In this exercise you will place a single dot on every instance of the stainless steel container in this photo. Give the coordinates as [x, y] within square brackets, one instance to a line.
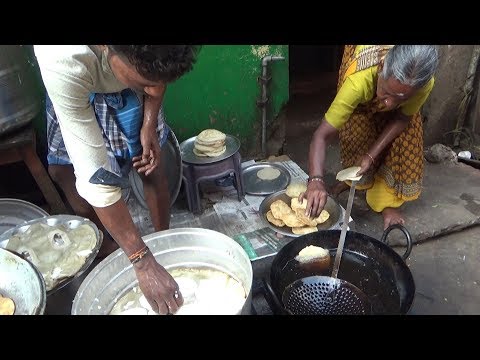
[184, 247]
[66, 223]
[19, 100]
[21, 282]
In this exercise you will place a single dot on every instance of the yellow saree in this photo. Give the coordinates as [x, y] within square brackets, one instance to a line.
[398, 174]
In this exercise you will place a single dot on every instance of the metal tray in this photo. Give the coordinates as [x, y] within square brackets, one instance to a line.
[333, 222]
[69, 222]
[256, 186]
[172, 160]
[186, 147]
[14, 212]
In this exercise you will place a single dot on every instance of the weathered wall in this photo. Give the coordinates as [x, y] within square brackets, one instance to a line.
[441, 108]
[222, 90]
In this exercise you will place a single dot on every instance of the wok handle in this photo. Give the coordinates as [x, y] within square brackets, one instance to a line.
[407, 236]
[272, 298]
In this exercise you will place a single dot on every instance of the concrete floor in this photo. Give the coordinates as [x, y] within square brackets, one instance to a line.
[447, 274]
[445, 268]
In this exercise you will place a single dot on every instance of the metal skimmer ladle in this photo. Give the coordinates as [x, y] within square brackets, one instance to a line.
[324, 295]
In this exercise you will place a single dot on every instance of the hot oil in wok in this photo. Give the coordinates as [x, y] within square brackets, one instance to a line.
[375, 281]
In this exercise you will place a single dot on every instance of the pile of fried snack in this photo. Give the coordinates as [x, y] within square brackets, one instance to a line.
[293, 215]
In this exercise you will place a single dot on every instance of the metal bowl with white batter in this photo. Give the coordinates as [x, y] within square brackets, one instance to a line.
[112, 278]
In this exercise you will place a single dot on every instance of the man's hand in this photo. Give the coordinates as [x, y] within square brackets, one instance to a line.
[316, 196]
[148, 134]
[149, 159]
[158, 286]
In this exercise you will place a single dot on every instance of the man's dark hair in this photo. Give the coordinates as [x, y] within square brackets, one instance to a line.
[159, 62]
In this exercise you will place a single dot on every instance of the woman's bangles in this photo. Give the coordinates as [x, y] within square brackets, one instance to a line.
[371, 157]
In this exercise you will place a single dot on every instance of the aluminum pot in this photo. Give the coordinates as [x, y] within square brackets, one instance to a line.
[114, 276]
[23, 283]
[20, 98]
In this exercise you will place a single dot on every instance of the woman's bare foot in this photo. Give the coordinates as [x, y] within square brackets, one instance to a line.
[338, 188]
[392, 216]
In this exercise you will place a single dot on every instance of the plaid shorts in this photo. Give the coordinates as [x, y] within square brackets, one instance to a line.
[120, 116]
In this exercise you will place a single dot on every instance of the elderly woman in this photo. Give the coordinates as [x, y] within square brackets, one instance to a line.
[376, 114]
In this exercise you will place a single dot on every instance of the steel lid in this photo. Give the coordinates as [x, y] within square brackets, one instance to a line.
[172, 160]
[14, 212]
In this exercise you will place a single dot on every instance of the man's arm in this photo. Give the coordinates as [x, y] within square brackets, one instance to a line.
[118, 221]
[149, 159]
[152, 106]
[158, 286]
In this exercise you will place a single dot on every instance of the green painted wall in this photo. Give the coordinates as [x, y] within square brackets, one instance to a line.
[222, 91]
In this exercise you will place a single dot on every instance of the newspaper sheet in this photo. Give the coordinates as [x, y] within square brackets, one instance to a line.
[240, 220]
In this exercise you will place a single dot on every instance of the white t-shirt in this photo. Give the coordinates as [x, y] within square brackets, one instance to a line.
[70, 74]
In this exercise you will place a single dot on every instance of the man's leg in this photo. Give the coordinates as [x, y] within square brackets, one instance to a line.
[155, 188]
[64, 176]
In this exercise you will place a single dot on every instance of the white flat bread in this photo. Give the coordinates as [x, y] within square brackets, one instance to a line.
[268, 174]
[294, 190]
[209, 154]
[211, 135]
[207, 148]
[209, 143]
[199, 153]
[349, 174]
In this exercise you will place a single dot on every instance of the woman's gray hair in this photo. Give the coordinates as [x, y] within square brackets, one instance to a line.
[412, 65]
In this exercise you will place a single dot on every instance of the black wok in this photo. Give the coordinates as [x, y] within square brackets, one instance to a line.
[369, 264]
